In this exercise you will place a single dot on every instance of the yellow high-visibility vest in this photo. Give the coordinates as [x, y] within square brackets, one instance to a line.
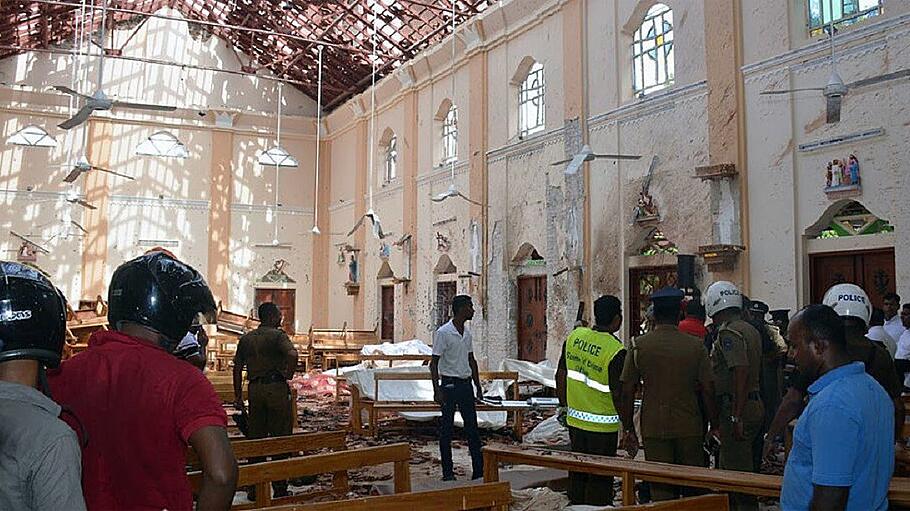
[590, 402]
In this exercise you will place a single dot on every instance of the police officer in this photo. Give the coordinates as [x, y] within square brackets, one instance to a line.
[586, 381]
[736, 358]
[270, 359]
[774, 350]
[41, 466]
[852, 304]
[675, 369]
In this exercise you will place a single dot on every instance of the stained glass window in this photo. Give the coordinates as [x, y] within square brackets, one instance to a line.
[656, 243]
[855, 220]
[450, 136]
[652, 51]
[391, 160]
[277, 156]
[162, 143]
[842, 12]
[531, 102]
[32, 136]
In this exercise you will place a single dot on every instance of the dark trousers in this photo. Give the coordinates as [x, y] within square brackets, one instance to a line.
[459, 393]
[270, 415]
[591, 489]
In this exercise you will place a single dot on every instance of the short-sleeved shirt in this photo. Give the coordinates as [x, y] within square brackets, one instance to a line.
[40, 464]
[903, 351]
[738, 344]
[895, 327]
[844, 438]
[138, 406]
[264, 351]
[693, 326]
[672, 365]
[453, 348]
[876, 360]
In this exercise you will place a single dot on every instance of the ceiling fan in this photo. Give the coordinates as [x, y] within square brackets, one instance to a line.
[586, 154]
[374, 222]
[99, 100]
[82, 166]
[451, 193]
[835, 90]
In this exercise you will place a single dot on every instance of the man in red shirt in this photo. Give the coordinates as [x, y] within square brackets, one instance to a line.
[140, 406]
[694, 322]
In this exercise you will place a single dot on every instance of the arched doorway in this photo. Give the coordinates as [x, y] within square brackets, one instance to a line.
[658, 269]
[532, 304]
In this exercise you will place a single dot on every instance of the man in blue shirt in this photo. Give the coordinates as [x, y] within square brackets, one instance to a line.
[842, 456]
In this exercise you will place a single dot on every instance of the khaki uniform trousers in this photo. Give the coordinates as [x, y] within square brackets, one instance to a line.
[737, 454]
[270, 415]
[678, 451]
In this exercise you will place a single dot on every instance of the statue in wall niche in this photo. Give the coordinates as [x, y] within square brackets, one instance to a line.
[442, 242]
[352, 269]
[842, 172]
[26, 253]
[277, 273]
[853, 169]
[385, 250]
[646, 209]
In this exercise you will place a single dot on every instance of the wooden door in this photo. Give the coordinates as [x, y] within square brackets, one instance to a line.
[285, 299]
[532, 318]
[387, 329]
[643, 282]
[445, 294]
[872, 270]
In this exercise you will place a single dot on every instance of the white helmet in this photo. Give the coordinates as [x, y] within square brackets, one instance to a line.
[722, 295]
[849, 300]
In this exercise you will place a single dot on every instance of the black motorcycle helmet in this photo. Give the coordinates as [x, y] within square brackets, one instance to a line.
[32, 315]
[160, 292]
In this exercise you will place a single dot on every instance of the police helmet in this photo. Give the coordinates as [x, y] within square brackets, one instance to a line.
[722, 295]
[849, 300]
[32, 315]
[158, 291]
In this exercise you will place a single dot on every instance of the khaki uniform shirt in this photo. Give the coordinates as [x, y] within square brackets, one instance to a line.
[738, 344]
[264, 351]
[672, 365]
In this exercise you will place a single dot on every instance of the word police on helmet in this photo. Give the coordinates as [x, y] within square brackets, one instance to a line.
[849, 300]
[722, 295]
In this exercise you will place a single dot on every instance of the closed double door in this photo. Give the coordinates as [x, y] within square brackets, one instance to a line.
[872, 270]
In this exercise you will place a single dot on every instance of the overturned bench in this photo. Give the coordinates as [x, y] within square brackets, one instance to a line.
[492, 497]
[342, 344]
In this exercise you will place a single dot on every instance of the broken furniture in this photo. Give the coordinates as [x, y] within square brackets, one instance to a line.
[291, 445]
[229, 327]
[344, 344]
[372, 407]
[332, 359]
[225, 391]
[491, 497]
[90, 317]
[710, 502]
[261, 475]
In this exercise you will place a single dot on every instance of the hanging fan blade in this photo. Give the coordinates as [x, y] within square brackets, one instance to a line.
[465, 197]
[74, 174]
[81, 203]
[79, 226]
[357, 225]
[439, 198]
[904, 73]
[81, 116]
[131, 178]
[832, 109]
[66, 90]
[561, 162]
[575, 164]
[618, 156]
[788, 91]
[30, 242]
[143, 106]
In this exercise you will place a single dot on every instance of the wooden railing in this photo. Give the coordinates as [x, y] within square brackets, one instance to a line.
[290, 444]
[493, 497]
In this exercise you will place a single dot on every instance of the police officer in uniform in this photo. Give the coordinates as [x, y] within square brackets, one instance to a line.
[736, 358]
[270, 359]
[675, 369]
[852, 304]
[586, 381]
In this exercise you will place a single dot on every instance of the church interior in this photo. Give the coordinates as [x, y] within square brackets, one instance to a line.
[361, 163]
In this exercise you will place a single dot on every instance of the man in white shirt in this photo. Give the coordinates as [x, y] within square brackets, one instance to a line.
[893, 325]
[903, 344]
[453, 369]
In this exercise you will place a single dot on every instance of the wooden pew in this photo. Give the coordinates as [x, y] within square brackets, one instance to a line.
[225, 391]
[81, 323]
[630, 471]
[332, 359]
[341, 343]
[374, 407]
[700, 503]
[261, 475]
[291, 444]
[492, 496]
[229, 327]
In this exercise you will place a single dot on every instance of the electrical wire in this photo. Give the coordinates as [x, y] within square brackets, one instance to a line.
[318, 140]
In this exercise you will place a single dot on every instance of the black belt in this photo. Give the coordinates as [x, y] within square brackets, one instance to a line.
[273, 378]
[752, 396]
[455, 379]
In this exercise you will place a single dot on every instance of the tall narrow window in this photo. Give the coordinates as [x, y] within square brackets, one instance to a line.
[531, 102]
[842, 12]
[32, 136]
[391, 160]
[652, 51]
[450, 135]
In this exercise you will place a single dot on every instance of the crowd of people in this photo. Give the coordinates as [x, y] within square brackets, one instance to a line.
[727, 391]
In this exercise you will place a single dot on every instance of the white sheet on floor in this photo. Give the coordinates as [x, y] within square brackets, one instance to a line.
[542, 372]
[416, 390]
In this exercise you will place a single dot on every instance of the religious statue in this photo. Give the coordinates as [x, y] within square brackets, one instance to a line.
[26, 253]
[646, 209]
[853, 169]
[442, 242]
[842, 172]
[352, 268]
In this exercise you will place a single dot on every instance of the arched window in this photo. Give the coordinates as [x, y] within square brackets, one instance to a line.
[842, 12]
[390, 170]
[32, 136]
[450, 135]
[531, 104]
[277, 156]
[652, 51]
[852, 219]
[162, 143]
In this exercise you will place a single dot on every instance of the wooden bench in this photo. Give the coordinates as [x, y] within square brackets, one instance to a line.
[225, 391]
[261, 475]
[374, 407]
[630, 471]
[341, 343]
[81, 323]
[229, 327]
[700, 503]
[492, 496]
[332, 358]
[274, 446]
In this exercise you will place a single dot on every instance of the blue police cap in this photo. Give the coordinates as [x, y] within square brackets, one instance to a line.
[667, 293]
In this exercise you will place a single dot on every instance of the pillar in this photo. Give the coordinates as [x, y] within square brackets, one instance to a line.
[322, 243]
[97, 192]
[221, 193]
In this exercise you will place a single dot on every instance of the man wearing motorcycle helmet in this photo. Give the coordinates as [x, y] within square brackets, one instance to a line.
[41, 463]
[141, 406]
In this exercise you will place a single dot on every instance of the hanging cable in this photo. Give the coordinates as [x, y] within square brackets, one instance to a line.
[277, 162]
[372, 150]
[318, 140]
[454, 157]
